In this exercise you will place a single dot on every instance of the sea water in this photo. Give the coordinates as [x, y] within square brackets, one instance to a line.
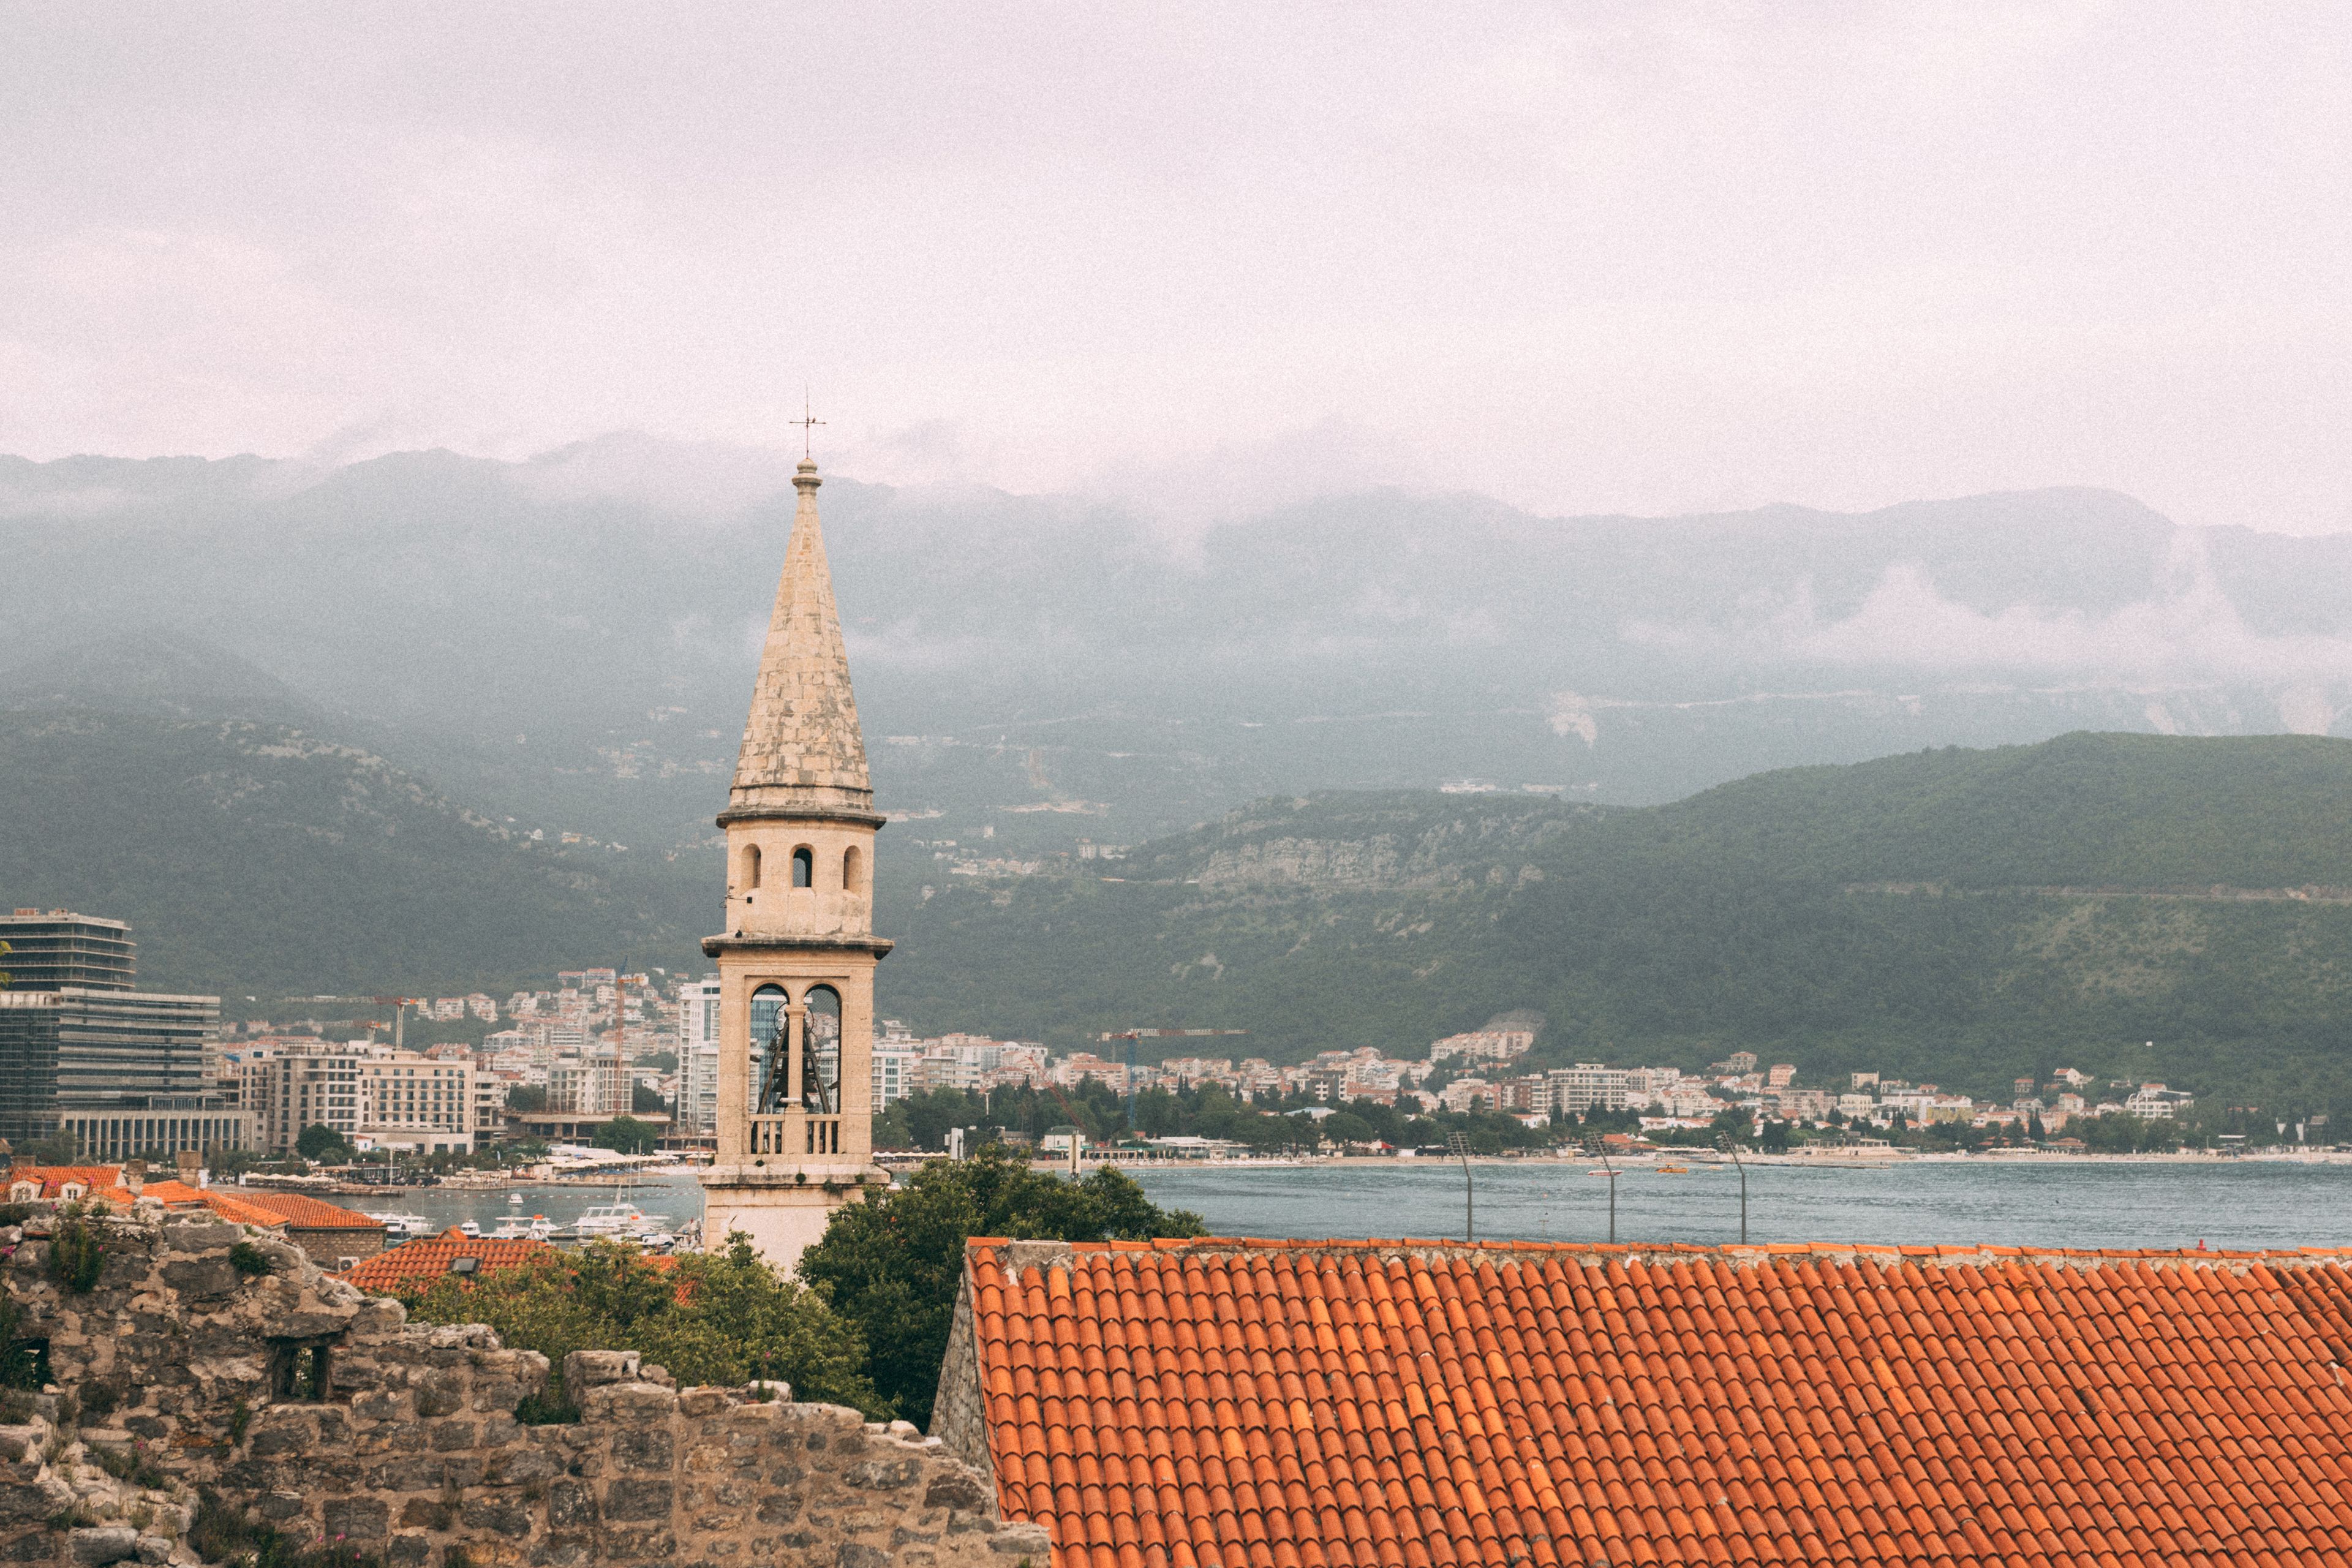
[2241, 1204]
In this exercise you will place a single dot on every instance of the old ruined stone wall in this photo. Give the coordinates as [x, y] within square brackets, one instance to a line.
[412, 1452]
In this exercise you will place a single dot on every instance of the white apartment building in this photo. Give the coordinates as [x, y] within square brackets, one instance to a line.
[697, 1055]
[491, 1092]
[1589, 1086]
[1483, 1045]
[896, 1070]
[416, 1104]
[294, 1087]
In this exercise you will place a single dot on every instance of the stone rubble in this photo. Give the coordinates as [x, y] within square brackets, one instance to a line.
[182, 1367]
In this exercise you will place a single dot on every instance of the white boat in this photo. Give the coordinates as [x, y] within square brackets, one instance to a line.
[615, 1219]
[514, 1197]
[469, 1230]
[538, 1227]
[656, 1241]
[406, 1225]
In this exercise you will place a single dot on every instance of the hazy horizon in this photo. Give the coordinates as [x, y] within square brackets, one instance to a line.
[1639, 261]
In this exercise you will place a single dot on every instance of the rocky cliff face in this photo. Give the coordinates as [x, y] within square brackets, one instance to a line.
[211, 1390]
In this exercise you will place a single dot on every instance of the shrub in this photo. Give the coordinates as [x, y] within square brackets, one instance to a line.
[78, 1250]
[715, 1317]
[130, 1464]
[227, 1534]
[248, 1259]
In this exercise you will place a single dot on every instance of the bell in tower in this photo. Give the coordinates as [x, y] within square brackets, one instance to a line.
[796, 957]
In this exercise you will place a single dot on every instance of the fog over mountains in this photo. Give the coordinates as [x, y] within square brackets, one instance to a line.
[569, 641]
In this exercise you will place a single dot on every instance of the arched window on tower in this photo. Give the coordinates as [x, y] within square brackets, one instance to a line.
[804, 867]
[821, 1072]
[750, 866]
[768, 1047]
[849, 869]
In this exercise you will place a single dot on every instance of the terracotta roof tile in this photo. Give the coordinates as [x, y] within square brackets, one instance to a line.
[422, 1262]
[230, 1206]
[1220, 1404]
[307, 1213]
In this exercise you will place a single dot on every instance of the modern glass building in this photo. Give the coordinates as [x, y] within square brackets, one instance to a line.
[121, 1072]
[47, 951]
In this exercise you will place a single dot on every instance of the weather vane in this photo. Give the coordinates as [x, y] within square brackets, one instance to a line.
[807, 423]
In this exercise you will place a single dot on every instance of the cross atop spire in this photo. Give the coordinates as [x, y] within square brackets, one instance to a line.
[808, 425]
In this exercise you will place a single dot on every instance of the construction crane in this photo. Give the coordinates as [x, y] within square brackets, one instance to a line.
[1131, 1036]
[399, 1006]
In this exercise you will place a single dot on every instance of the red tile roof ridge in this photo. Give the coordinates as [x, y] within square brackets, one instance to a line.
[1018, 1255]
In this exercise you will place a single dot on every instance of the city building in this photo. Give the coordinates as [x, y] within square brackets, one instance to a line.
[697, 1055]
[797, 952]
[416, 1104]
[298, 1086]
[51, 949]
[121, 1072]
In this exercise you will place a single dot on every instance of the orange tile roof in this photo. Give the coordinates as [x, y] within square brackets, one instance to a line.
[51, 1178]
[230, 1206]
[307, 1213]
[1221, 1404]
[424, 1261]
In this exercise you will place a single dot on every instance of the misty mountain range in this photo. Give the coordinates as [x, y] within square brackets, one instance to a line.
[569, 642]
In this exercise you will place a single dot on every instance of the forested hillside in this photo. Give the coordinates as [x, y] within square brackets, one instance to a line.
[1957, 916]
[254, 858]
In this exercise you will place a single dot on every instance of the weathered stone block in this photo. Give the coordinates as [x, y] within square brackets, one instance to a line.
[853, 1555]
[564, 1555]
[439, 1392]
[700, 1402]
[523, 1467]
[409, 1551]
[584, 1370]
[451, 1436]
[641, 1448]
[625, 1401]
[1024, 1540]
[363, 1518]
[570, 1505]
[96, 1547]
[780, 1508]
[505, 1515]
[202, 1278]
[423, 1513]
[883, 1475]
[958, 1488]
[639, 1499]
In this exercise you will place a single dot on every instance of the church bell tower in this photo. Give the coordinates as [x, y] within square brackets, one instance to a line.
[796, 957]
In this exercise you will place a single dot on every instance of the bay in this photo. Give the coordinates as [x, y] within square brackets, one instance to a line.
[2236, 1205]
[2088, 1204]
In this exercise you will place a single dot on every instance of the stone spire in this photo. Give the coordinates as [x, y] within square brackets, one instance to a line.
[802, 747]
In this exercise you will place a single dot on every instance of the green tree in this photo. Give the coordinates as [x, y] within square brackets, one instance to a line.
[626, 1135]
[894, 1264]
[715, 1318]
[320, 1141]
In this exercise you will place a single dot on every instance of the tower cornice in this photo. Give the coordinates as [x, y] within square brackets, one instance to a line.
[713, 946]
[735, 813]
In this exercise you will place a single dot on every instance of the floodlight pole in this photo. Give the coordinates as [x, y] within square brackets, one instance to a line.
[1598, 1145]
[1461, 1147]
[1731, 1145]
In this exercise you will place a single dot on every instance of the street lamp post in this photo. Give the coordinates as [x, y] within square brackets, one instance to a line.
[1731, 1145]
[1460, 1144]
[1596, 1143]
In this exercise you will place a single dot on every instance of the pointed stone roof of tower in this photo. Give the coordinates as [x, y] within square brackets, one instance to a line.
[801, 747]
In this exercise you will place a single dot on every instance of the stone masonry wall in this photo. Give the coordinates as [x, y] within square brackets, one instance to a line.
[413, 1454]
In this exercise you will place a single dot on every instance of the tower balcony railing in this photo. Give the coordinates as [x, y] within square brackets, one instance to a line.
[796, 1133]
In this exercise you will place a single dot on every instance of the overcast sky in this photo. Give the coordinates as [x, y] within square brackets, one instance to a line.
[1585, 257]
